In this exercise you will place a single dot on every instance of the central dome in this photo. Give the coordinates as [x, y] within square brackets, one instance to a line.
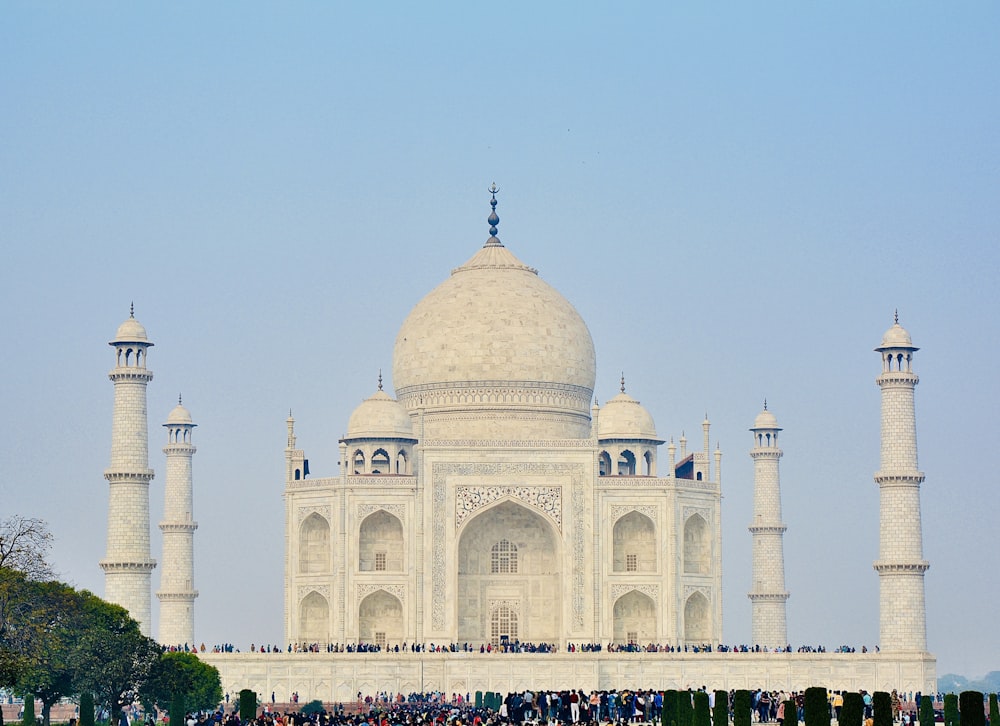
[491, 340]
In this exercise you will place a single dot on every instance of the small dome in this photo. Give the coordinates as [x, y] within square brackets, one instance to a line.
[896, 337]
[625, 418]
[379, 417]
[131, 331]
[765, 420]
[180, 415]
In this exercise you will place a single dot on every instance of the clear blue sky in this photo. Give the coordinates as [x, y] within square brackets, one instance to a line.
[736, 197]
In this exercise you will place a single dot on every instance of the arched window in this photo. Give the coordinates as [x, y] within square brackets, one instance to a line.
[503, 558]
[503, 624]
[697, 548]
[626, 463]
[604, 464]
[401, 463]
[359, 462]
[380, 462]
[314, 545]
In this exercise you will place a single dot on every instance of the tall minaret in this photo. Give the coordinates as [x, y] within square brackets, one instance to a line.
[177, 591]
[768, 591]
[127, 566]
[901, 564]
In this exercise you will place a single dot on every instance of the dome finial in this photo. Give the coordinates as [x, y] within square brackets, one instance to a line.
[380, 379]
[765, 404]
[179, 399]
[623, 381]
[493, 219]
[131, 309]
[895, 317]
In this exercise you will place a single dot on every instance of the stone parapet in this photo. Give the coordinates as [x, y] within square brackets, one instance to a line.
[340, 676]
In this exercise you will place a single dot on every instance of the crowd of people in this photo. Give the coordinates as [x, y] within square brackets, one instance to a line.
[515, 646]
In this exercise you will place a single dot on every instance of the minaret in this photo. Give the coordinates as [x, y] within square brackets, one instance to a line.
[127, 566]
[768, 590]
[901, 564]
[177, 591]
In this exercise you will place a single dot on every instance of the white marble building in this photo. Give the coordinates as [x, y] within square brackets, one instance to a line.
[492, 501]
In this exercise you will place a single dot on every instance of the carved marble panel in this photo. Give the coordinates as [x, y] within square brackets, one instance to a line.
[470, 499]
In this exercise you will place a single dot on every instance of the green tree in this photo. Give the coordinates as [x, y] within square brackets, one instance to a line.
[668, 717]
[177, 709]
[791, 714]
[114, 658]
[702, 714]
[970, 709]
[853, 711]
[994, 711]
[685, 709]
[950, 709]
[817, 707]
[182, 674]
[720, 711]
[742, 703]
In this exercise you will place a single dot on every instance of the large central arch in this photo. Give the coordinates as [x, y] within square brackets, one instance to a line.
[509, 560]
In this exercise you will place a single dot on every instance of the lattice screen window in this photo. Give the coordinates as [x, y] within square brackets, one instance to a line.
[380, 639]
[631, 563]
[503, 625]
[380, 561]
[632, 636]
[503, 558]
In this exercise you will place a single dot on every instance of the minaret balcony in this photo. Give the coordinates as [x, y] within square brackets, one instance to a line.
[901, 568]
[110, 566]
[899, 478]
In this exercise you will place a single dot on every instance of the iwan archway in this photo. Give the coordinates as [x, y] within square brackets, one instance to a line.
[509, 577]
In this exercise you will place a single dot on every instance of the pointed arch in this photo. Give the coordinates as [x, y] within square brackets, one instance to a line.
[533, 590]
[380, 543]
[380, 619]
[634, 543]
[314, 544]
[697, 626]
[604, 464]
[380, 462]
[697, 546]
[635, 618]
[314, 618]
[626, 463]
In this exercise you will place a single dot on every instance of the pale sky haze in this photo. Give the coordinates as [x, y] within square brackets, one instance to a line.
[736, 197]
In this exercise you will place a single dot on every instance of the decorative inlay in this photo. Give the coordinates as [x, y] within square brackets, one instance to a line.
[513, 605]
[323, 590]
[545, 499]
[510, 443]
[322, 510]
[704, 512]
[439, 525]
[579, 509]
[617, 511]
[650, 589]
[397, 591]
[690, 590]
[397, 510]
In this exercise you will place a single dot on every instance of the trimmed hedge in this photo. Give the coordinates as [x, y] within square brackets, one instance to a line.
[926, 711]
[28, 719]
[86, 709]
[994, 711]
[702, 714]
[950, 709]
[970, 709]
[685, 709]
[817, 707]
[720, 713]
[882, 708]
[178, 709]
[668, 716]
[790, 713]
[742, 703]
[248, 705]
[853, 711]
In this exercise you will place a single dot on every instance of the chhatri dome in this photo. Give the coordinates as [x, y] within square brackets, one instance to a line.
[131, 331]
[501, 347]
[896, 336]
[379, 417]
[180, 415]
[625, 418]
